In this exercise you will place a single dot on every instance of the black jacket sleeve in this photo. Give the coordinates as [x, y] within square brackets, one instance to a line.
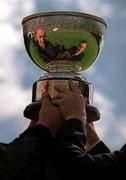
[99, 148]
[24, 158]
[73, 162]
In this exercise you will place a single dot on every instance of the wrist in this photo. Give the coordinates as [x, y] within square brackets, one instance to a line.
[42, 122]
[75, 116]
[92, 145]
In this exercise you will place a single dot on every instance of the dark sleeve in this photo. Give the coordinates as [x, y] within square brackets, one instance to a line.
[24, 157]
[100, 147]
[74, 163]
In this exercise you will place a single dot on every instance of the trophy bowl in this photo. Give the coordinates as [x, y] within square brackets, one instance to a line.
[63, 44]
[57, 36]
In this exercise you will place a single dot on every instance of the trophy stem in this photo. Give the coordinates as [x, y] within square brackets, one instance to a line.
[63, 66]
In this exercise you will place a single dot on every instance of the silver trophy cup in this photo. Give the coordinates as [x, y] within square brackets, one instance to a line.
[63, 45]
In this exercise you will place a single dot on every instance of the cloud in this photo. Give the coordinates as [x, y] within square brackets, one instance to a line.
[122, 126]
[13, 97]
[111, 128]
[105, 107]
[96, 7]
[13, 9]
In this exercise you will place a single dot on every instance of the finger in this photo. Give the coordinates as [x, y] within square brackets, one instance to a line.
[73, 87]
[56, 102]
[60, 95]
[45, 98]
[61, 89]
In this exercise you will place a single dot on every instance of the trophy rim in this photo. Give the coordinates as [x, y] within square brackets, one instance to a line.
[65, 13]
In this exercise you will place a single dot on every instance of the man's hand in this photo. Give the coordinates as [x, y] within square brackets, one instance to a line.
[71, 102]
[50, 115]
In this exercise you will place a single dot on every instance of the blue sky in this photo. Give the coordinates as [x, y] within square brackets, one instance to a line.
[108, 74]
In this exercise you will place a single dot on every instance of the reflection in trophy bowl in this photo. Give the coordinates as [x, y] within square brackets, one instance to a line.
[67, 36]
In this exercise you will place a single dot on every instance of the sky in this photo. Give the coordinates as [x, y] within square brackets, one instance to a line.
[107, 74]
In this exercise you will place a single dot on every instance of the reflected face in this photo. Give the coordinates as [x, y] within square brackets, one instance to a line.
[40, 35]
[83, 45]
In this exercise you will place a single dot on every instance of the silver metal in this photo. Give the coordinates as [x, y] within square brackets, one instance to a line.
[63, 31]
[63, 44]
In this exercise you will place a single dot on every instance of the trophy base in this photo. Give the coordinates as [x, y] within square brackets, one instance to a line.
[32, 112]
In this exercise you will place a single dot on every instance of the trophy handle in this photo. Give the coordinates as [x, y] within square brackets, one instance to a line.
[32, 112]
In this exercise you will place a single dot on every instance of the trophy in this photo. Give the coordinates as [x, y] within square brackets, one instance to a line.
[63, 45]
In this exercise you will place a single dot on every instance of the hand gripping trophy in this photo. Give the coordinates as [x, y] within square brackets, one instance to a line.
[63, 44]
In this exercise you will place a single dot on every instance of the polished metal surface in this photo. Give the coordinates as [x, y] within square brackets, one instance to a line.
[63, 36]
